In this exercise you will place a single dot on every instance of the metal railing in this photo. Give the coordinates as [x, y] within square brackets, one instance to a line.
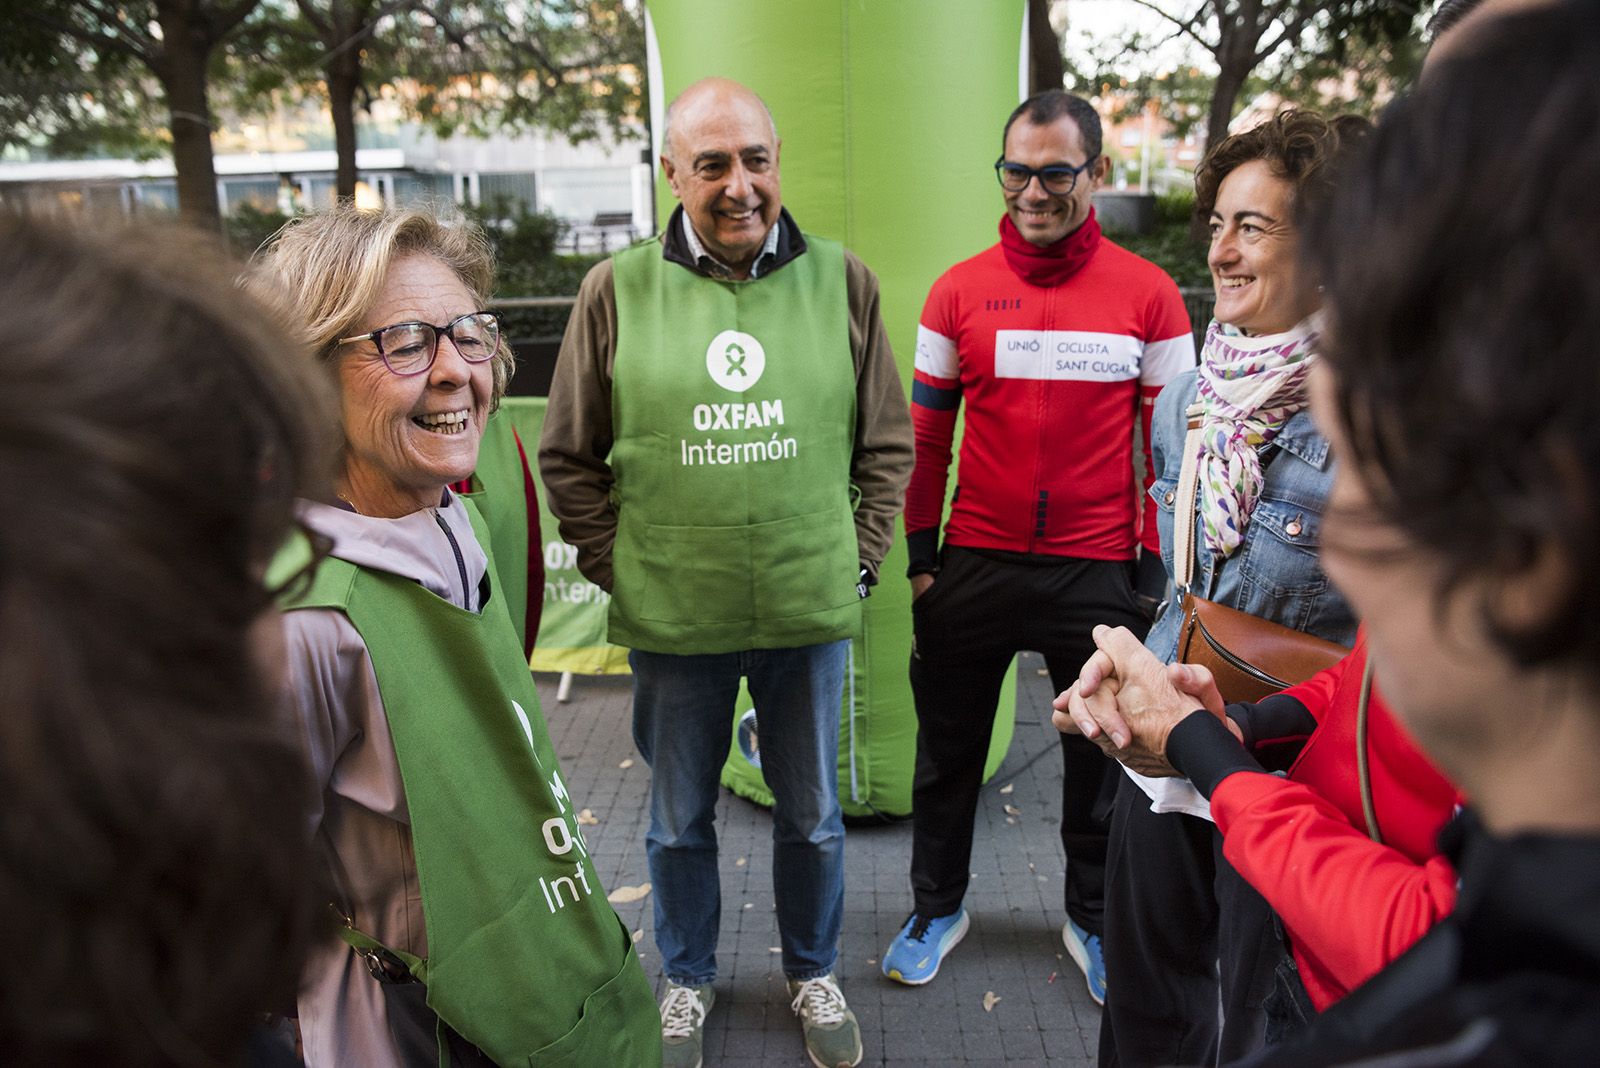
[1198, 301]
[533, 302]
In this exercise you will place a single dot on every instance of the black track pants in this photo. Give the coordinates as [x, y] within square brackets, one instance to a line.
[978, 614]
[1186, 939]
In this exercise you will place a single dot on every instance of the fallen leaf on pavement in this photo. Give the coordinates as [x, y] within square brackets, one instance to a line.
[587, 817]
[1011, 810]
[740, 862]
[626, 764]
[640, 934]
[990, 1000]
[1008, 787]
[624, 895]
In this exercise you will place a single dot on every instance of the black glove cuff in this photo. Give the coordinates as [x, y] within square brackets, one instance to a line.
[922, 547]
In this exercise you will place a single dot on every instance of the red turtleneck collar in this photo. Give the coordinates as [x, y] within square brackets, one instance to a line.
[1052, 264]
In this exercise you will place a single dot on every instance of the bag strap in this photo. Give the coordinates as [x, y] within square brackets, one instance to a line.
[1363, 766]
[1183, 507]
[375, 953]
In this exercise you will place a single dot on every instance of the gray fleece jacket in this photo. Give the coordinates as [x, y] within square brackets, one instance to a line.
[359, 816]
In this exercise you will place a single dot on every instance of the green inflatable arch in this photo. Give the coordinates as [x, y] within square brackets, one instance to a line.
[889, 112]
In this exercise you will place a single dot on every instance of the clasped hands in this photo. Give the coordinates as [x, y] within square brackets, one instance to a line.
[1127, 702]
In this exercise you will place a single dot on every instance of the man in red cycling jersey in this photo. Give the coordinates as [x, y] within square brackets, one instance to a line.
[1055, 339]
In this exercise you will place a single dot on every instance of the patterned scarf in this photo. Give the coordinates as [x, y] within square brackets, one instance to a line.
[1248, 388]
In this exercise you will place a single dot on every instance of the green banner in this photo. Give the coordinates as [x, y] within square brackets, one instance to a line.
[572, 628]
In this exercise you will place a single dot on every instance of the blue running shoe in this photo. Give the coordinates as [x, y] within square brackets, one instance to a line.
[914, 956]
[1084, 949]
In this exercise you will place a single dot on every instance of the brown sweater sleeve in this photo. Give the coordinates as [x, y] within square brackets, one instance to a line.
[881, 464]
[577, 428]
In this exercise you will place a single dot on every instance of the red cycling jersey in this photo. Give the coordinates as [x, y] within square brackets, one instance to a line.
[1051, 377]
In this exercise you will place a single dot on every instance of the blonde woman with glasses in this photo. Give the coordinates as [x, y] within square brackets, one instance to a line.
[470, 913]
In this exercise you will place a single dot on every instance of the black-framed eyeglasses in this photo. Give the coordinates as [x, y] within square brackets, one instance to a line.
[1058, 179]
[410, 348]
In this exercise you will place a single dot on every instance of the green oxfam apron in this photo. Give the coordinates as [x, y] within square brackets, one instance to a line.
[526, 957]
[734, 408]
[501, 496]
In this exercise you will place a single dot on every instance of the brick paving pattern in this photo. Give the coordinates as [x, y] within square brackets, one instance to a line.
[1044, 1015]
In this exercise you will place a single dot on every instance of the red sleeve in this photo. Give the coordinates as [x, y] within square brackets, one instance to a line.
[1168, 353]
[1350, 904]
[1149, 536]
[935, 398]
[535, 549]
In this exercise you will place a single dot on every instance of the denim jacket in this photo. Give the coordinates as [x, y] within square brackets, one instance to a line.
[1274, 574]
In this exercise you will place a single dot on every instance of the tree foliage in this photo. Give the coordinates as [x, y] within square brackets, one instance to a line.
[570, 65]
[116, 44]
[135, 77]
[69, 101]
[1289, 44]
[341, 32]
[481, 68]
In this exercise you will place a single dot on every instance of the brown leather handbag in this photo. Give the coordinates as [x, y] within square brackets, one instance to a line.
[1250, 657]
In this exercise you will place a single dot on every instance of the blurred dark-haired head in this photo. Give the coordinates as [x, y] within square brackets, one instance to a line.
[154, 868]
[1461, 260]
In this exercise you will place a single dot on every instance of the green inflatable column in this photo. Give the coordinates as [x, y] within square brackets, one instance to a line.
[889, 113]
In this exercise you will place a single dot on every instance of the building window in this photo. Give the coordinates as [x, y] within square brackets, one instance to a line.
[514, 188]
[435, 191]
[157, 195]
[259, 193]
[580, 194]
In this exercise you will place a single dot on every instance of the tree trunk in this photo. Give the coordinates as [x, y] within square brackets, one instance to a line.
[1224, 95]
[344, 77]
[1044, 49]
[1239, 30]
[182, 71]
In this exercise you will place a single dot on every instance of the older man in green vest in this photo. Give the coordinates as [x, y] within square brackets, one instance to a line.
[727, 446]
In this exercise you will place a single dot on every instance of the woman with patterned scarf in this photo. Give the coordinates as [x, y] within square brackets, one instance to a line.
[1174, 906]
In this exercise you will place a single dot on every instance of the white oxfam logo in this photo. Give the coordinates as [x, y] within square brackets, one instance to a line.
[735, 360]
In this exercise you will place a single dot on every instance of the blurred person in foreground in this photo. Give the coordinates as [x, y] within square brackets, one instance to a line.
[1463, 390]
[156, 888]
[471, 909]
[1460, 388]
[1187, 927]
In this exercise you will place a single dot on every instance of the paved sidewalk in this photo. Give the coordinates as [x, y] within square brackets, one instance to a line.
[1043, 1015]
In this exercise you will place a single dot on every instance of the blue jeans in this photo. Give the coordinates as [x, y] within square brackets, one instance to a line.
[683, 726]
